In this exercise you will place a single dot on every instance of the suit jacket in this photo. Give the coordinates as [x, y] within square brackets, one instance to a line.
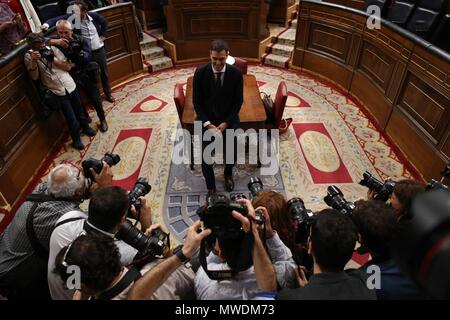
[227, 100]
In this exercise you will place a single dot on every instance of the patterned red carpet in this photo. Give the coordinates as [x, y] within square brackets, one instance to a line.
[331, 140]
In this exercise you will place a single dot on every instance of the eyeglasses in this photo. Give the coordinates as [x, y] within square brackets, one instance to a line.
[64, 262]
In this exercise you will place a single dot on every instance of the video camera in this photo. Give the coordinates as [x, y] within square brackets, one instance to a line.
[335, 199]
[304, 219]
[110, 158]
[383, 190]
[153, 245]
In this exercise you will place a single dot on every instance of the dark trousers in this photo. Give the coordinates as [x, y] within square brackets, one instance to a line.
[73, 112]
[28, 281]
[207, 169]
[99, 56]
[85, 81]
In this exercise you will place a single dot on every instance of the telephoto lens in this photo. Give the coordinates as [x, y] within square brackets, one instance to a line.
[255, 186]
[140, 189]
[110, 158]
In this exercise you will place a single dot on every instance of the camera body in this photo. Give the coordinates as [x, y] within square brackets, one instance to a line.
[335, 199]
[383, 190]
[303, 218]
[216, 215]
[110, 158]
[153, 245]
[140, 189]
[259, 215]
[75, 47]
[47, 54]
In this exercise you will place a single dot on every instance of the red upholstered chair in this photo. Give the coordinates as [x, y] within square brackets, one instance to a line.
[241, 64]
[178, 97]
[278, 108]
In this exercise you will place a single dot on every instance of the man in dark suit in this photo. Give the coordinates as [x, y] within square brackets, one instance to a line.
[217, 98]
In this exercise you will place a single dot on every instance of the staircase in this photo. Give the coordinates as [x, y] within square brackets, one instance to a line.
[154, 56]
[279, 51]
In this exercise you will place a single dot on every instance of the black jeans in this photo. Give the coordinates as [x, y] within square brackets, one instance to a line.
[71, 107]
[99, 56]
[84, 80]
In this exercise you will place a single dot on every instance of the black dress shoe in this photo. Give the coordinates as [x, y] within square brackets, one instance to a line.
[103, 126]
[78, 145]
[89, 131]
[211, 192]
[229, 184]
[110, 98]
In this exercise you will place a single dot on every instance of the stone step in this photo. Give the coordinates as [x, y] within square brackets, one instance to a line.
[153, 53]
[282, 50]
[160, 63]
[276, 60]
[287, 37]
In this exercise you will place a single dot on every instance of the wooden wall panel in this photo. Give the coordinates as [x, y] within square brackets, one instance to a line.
[26, 137]
[280, 11]
[403, 81]
[192, 25]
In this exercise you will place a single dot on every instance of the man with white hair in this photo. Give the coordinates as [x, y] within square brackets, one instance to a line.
[24, 245]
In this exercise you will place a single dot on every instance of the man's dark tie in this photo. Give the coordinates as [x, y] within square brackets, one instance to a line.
[218, 81]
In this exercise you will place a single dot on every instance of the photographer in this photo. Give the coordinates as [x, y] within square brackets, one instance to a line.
[104, 278]
[280, 226]
[253, 271]
[84, 71]
[107, 211]
[51, 66]
[404, 193]
[377, 223]
[24, 245]
[331, 242]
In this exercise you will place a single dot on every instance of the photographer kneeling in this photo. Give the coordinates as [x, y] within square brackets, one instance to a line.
[331, 243]
[24, 245]
[84, 71]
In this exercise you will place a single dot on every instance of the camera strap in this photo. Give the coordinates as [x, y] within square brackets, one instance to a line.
[132, 275]
[31, 234]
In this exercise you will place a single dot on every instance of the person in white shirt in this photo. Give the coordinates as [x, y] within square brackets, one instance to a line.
[51, 66]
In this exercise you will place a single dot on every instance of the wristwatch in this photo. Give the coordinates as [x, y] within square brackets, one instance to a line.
[178, 251]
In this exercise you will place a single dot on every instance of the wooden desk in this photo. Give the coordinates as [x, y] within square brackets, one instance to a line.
[252, 112]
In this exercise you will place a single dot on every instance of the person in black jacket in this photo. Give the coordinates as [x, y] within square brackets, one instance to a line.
[93, 28]
[331, 242]
[217, 98]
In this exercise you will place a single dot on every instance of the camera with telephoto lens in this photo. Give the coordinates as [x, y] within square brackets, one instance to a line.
[303, 218]
[140, 189]
[335, 199]
[153, 245]
[383, 190]
[255, 186]
[47, 54]
[439, 185]
[110, 158]
[259, 215]
[216, 215]
[75, 47]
